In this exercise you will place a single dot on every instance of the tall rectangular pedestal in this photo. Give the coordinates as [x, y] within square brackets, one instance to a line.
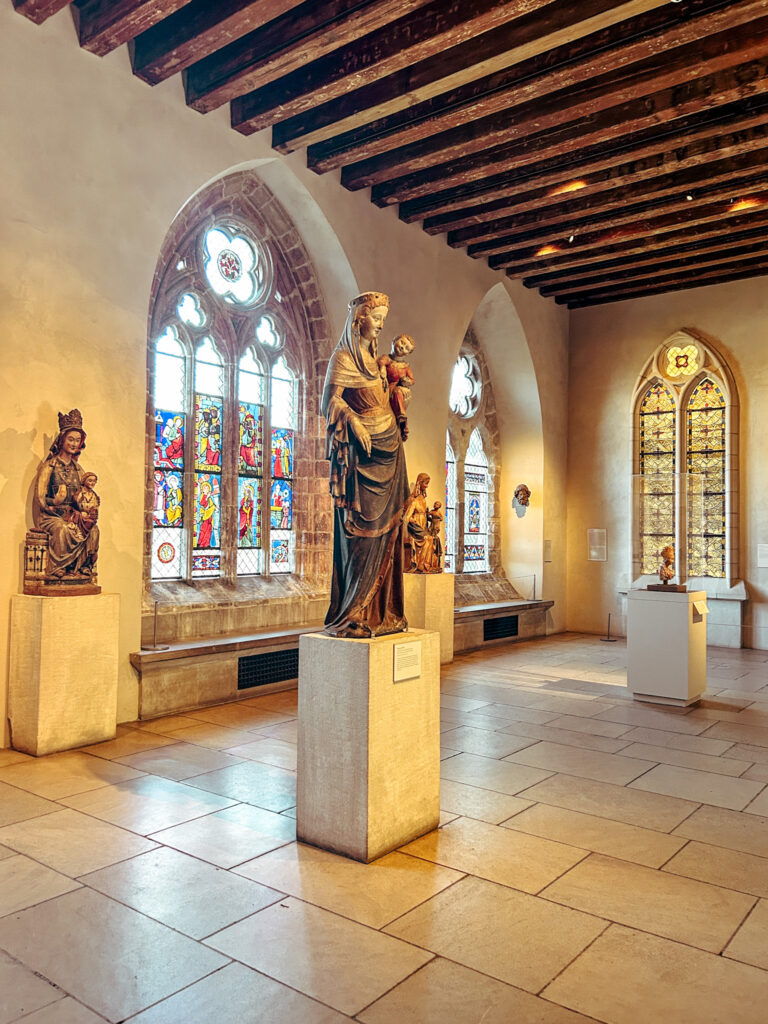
[63, 679]
[429, 605]
[369, 746]
[667, 646]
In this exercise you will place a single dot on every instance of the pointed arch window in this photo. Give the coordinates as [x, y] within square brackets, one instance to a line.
[476, 506]
[657, 455]
[705, 452]
[451, 502]
[168, 533]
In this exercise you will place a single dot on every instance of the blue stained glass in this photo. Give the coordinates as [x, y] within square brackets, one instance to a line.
[169, 439]
[281, 554]
[209, 413]
[281, 505]
[282, 453]
[250, 438]
[168, 499]
[473, 513]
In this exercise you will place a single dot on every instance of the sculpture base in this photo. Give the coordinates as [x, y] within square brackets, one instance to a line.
[667, 646]
[63, 678]
[61, 589]
[368, 746]
[668, 588]
[429, 605]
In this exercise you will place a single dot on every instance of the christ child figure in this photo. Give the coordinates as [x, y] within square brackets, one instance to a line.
[399, 378]
[87, 501]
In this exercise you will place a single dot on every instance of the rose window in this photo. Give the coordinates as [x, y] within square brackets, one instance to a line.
[235, 269]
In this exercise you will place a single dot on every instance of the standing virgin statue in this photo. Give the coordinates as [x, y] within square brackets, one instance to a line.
[369, 481]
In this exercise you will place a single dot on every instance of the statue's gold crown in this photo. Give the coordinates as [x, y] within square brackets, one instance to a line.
[372, 299]
[73, 420]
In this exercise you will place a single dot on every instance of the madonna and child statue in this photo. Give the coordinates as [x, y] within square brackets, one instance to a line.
[369, 481]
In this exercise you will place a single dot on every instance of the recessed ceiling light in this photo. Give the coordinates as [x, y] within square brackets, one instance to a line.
[745, 204]
[569, 186]
[571, 238]
[689, 197]
[547, 250]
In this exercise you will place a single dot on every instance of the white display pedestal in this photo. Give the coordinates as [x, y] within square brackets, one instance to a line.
[429, 605]
[369, 747]
[667, 646]
[63, 678]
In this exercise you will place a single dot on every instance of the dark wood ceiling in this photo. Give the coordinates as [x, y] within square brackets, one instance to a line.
[597, 149]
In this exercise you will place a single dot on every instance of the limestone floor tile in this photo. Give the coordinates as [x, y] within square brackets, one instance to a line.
[731, 829]
[510, 858]
[283, 702]
[756, 735]
[748, 752]
[750, 943]
[482, 742]
[288, 731]
[678, 741]
[676, 908]
[758, 773]
[217, 737]
[107, 956]
[24, 882]
[567, 737]
[9, 756]
[238, 995]
[168, 725]
[268, 750]
[706, 787]
[743, 872]
[65, 774]
[147, 804]
[181, 891]
[576, 723]
[272, 788]
[505, 713]
[516, 938]
[339, 962]
[471, 802]
[129, 742]
[760, 804]
[373, 894]
[571, 705]
[240, 716]
[486, 773]
[447, 993]
[21, 991]
[231, 836]
[614, 838]
[461, 703]
[687, 759]
[179, 761]
[586, 764]
[73, 843]
[66, 1011]
[627, 970]
[6, 852]
[669, 720]
[18, 805]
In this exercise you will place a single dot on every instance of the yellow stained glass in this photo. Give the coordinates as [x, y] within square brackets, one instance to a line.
[706, 456]
[657, 465]
[682, 362]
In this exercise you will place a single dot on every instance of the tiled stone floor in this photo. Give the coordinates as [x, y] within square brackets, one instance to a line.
[597, 860]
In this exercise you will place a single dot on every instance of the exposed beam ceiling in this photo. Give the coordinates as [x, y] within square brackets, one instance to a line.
[598, 150]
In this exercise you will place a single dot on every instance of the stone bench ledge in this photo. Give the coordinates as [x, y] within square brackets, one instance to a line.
[141, 660]
[465, 613]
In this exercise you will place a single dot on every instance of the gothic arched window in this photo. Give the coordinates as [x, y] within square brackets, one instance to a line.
[451, 502]
[476, 506]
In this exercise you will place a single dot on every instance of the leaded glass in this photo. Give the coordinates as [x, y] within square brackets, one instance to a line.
[250, 455]
[248, 513]
[209, 413]
[206, 558]
[283, 406]
[657, 454]
[233, 266]
[706, 457]
[282, 453]
[267, 333]
[168, 506]
[281, 505]
[168, 553]
[280, 552]
[209, 376]
[466, 386]
[476, 486]
[190, 311]
[169, 440]
[170, 372]
[250, 380]
[450, 508]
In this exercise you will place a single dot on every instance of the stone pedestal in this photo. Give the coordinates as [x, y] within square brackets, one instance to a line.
[369, 746]
[667, 646]
[429, 605]
[63, 672]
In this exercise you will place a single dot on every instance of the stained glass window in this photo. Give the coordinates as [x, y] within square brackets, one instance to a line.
[233, 266]
[451, 500]
[657, 454]
[705, 452]
[168, 536]
[476, 506]
[190, 311]
[209, 425]
[283, 423]
[466, 386]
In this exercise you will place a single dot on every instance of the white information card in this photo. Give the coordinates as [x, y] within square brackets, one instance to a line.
[407, 661]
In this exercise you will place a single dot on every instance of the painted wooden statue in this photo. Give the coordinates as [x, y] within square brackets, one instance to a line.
[400, 378]
[424, 548]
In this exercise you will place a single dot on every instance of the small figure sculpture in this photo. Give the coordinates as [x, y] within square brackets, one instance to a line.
[523, 495]
[369, 481]
[667, 567]
[422, 526]
[400, 379]
[65, 542]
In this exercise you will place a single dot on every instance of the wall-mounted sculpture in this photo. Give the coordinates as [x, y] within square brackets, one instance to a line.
[369, 481]
[62, 551]
[424, 549]
[521, 500]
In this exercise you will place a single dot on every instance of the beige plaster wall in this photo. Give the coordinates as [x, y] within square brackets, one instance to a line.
[96, 166]
[609, 348]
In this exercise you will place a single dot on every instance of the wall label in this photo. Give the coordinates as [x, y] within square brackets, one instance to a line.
[407, 659]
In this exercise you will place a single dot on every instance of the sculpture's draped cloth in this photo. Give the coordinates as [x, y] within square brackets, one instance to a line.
[369, 493]
[73, 543]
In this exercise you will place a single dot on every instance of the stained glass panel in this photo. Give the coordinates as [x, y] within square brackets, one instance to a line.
[476, 485]
[450, 508]
[249, 513]
[207, 511]
[168, 507]
[282, 453]
[209, 376]
[281, 505]
[250, 455]
[168, 553]
[284, 396]
[280, 552]
[209, 413]
[233, 266]
[170, 375]
[657, 454]
[169, 440]
[706, 457]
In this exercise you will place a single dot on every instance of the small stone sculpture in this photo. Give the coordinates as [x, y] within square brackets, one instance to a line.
[667, 567]
[400, 379]
[422, 530]
[523, 495]
[62, 550]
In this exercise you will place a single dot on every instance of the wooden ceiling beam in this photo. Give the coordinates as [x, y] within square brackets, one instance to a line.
[40, 10]
[506, 165]
[693, 280]
[102, 25]
[516, 266]
[286, 72]
[200, 28]
[600, 70]
[535, 187]
[677, 208]
[436, 94]
[718, 257]
[563, 123]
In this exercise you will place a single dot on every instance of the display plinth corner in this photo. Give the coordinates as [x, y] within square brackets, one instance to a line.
[368, 746]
